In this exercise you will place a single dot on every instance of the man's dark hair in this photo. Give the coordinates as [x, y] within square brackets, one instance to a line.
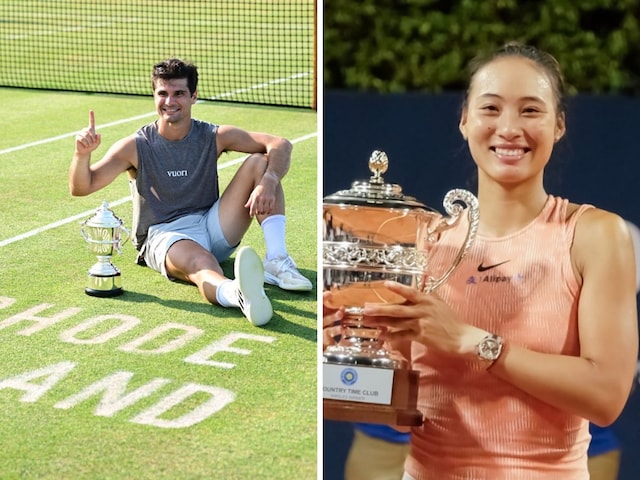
[174, 68]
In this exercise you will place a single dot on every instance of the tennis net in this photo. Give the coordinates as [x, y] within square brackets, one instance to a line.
[249, 51]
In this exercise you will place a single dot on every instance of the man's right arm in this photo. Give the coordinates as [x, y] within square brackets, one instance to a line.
[85, 178]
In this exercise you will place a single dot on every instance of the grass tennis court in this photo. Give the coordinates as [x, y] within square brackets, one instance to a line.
[156, 383]
[246, 50]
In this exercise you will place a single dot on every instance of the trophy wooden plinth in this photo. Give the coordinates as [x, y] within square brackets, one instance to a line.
[401, 411]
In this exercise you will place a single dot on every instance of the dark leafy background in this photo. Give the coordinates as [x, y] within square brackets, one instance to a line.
[424, 45]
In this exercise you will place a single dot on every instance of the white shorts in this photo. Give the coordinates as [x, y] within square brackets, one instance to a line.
[202, 228]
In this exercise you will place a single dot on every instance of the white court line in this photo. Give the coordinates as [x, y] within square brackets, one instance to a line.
[73, 134]
[107, 22]
[83, 215]
[260, 85]
[53, 32]
[127, 120]
[59, 223]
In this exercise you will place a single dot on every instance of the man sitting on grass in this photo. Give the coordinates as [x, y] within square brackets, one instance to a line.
[183, 227]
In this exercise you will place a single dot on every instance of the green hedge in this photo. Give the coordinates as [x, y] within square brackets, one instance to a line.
[425, 45]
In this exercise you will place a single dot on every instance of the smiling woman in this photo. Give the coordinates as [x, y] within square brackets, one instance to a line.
[512, 116]
[566, 342]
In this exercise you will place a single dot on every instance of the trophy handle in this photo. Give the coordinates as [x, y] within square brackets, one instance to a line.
[453, 208]
[125, 234]
[84, 235]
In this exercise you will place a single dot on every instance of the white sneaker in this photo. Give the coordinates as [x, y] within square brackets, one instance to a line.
[284, 273]
[249, 279]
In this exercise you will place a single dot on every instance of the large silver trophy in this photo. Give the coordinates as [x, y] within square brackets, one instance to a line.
[373, 233]
[104, 234]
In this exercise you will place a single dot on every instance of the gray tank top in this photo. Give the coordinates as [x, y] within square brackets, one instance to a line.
[174, 178]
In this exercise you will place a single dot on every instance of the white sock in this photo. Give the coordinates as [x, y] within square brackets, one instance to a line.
[274, 230]
[226, 294]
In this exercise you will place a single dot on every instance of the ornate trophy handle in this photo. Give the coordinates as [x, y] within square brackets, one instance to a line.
[84, 234]
[124, 236]
[454, 210]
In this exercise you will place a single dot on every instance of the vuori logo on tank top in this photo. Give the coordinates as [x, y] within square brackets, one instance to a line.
[177, 173]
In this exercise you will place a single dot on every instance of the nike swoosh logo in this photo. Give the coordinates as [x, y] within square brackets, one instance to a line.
[482, 268]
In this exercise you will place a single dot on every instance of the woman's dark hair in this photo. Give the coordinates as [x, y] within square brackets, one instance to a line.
[174, 68]
[545, 61]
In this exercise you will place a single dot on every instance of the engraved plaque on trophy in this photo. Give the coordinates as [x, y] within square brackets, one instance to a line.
[373, 233]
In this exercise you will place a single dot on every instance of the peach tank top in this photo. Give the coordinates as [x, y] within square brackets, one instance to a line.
[521, 287]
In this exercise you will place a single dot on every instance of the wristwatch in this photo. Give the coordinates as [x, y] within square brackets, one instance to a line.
[490, 348]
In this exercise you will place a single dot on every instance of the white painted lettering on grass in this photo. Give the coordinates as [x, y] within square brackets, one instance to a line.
[127, 323]
[40, 322]
[189, 334]
[112, 393]
[114, 398]
[203, 356]
[6, 302]
[220, 398]
[113, 388]
[33, 391]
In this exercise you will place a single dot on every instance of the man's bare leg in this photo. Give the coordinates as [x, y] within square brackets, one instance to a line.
[188, 261]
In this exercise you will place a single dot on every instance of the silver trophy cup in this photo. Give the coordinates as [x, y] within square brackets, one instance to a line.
[104, 234]
[373, 233]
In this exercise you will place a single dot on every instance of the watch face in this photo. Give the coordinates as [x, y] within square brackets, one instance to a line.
[490, 347]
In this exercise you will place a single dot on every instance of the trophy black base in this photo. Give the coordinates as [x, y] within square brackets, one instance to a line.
[106, 285]
[103, 293]
[402, 411]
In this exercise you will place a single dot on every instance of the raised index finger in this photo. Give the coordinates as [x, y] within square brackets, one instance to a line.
[92, 121]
